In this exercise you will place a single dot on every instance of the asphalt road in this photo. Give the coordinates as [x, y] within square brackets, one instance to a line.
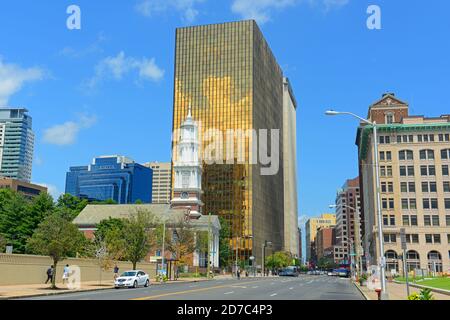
[304, 287]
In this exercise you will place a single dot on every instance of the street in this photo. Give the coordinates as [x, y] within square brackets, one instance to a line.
[304, 287]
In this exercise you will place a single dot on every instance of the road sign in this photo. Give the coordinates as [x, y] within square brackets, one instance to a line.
[403, 238]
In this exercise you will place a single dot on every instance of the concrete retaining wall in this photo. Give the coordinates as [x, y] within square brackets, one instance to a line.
[28, 269]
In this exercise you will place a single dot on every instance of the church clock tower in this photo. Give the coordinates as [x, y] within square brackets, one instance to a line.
[187, 170]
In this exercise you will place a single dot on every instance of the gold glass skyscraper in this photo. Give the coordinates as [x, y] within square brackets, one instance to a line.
[229, 76]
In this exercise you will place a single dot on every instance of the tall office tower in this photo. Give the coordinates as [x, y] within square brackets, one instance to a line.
[300, 244]
[312, 225]
[229, 76]
[16, 144]
[414, 161]
[161, 184]
[348, 222]
[291, 240]
[111, 178]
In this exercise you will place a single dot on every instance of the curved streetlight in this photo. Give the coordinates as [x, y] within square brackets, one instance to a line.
[384, 294]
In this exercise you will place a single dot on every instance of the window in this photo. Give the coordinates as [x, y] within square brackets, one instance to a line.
[413, 221]
[446, 186]
[405, 138]
[427, 221]
[412, 238]
[389, 118]
[386, 171]
[437, 238]
[406, 155]
[447, 203]
[444, 137]
[448, 238]
[447, 220]
[409, 204]
[445, 170]
[428, 170]
[385, 139]
[406, 171]
[430, 204]
[390, 238]
[426, 155]
[425, 138]
[387, 187]
[435, 220]
[429, 187]
[405, 220]
[429, 238]
[385, 155]
[445, 154]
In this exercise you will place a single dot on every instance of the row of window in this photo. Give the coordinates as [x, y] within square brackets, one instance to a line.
[408, 171]
[414, 238]
[410, 187]
[427, 204]
[420, 138]
[411, 220]
[403, 155]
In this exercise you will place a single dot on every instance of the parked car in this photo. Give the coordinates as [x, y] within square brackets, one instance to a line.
[132, 279]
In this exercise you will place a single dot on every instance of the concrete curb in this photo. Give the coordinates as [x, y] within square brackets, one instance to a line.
[437, 290]
[362, 292]
[88, 290]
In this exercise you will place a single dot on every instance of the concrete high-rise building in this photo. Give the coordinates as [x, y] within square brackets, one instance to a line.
[312, 225]
[414, 160]
[348, 221]
[115, 178]
[16, 144]
[291, 240]
[161, 184]
[230, 77]
[300, 244]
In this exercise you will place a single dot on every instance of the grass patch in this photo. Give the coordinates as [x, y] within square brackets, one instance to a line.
[439, 283]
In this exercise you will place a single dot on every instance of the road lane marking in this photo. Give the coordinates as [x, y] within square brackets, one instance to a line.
[273, 295]
[291, 288]
[255, 287]
[189, 291]
[231, 292]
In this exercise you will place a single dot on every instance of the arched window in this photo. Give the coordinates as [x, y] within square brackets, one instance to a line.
[391, 255]
[445, 154]
[391, 262]
[426, 155]
[434, 262]
[390, 118]
[406, 155]
[412, 260]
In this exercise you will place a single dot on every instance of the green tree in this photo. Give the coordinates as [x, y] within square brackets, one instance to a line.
[278, 260]
[224, 242]
[15, 222]
[2, 243]
[69, 206]
[133, 240]
[58, 238]
[180, 241]
[108, 225]
[326, 263]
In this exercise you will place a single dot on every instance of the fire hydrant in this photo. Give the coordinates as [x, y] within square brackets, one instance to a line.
[378, 291]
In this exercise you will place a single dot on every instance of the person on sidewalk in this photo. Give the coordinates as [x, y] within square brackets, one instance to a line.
[49, 275]
[66, 273]
[238, 273]
[116, 272]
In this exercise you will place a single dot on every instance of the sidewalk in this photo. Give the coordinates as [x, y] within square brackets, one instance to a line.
[33, 290]
[397, 291]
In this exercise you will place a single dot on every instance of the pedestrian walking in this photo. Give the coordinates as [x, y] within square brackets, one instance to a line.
[49, 275]
[238, 273]
[116, 272]
[66, 273]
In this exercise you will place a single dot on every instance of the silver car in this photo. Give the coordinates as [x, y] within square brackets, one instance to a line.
[132, 279]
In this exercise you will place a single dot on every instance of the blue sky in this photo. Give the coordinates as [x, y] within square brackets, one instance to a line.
[107, 88]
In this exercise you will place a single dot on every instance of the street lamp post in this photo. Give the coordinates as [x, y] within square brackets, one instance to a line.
[384, 294]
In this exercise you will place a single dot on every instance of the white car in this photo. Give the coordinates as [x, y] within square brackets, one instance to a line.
[132, 279]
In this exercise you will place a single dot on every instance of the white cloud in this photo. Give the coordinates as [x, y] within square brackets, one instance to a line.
[120, 65]
[13, 77]
[261, 10]
[52, 190]
[66, 133]
[187, 8]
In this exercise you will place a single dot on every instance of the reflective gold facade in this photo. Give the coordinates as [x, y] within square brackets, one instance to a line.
[229, 76]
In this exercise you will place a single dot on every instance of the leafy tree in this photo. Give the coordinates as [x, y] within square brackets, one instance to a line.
[180, 241]
[58, 238]
[109, 201]
[69, 206]
[133, 240]
[15, 222]
[326, 263]
[278, 260]
[108, 225]
[224, 242]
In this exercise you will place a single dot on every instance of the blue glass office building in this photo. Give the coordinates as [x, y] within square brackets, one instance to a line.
[111, 177]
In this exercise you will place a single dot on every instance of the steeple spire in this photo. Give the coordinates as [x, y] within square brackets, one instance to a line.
[190, 111]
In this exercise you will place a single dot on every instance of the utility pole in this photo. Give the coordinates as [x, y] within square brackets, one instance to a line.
[404, 247]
